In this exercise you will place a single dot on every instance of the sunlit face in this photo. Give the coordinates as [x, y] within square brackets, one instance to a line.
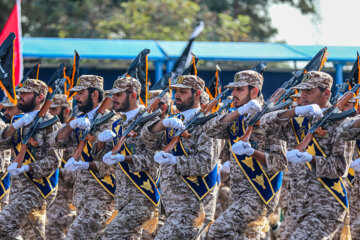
[84, 101]
[241, 96]
[9, 112]
[27, 101]
[55, 111]
[121, 102]
[347, 106]
[312, 96]
[184, 99]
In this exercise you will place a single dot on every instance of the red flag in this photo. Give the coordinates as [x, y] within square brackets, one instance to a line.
[13, 24]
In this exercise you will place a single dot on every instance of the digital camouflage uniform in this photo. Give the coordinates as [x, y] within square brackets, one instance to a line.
[314, 212]
[26, 211]
[94, 205]
[246, 206]
[62, 213]
[353, 189]
[134, 208]
[5, 156]
[180, 203]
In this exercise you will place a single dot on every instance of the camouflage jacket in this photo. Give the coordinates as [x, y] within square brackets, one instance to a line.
[306, 194]
[142, 158]
[274, 154]
[85, 185]
[5, 158]
[203, 154]
[48, 159]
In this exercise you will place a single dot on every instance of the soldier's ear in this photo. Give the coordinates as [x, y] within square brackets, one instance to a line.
[95, 96]
[254, 92]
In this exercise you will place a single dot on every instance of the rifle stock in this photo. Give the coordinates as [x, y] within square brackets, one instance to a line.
[118, 146]
[305, 142]
[79, 149]
[247, 134]
[171, 144]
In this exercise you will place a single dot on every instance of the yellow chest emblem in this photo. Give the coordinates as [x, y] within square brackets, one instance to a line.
[146, 185]
[107, 180]
[337, 187]
[260, 180]
[248, 161]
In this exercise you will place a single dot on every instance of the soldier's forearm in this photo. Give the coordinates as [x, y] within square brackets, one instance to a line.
[157, 127]
[287, 114]
[64, 132]
[230, 117]
[8, 132]
[260, 156]
[129, 160]
[356, 124]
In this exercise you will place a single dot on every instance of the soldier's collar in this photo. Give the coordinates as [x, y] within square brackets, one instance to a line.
[91, 114]
[189, 113]
[131, 114]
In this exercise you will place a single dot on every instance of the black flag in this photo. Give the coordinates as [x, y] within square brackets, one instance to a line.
[7, 78]
[260, 67]
[213, 87]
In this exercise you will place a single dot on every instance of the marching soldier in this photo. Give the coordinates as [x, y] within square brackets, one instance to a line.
[352, 179]
[317, 202]
[10, 110]
[34, 184]
[61, 213]
[185, 170]
[94, 185]
[137, 194]
[253, 195]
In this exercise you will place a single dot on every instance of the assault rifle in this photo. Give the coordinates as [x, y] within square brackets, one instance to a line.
[145, 116]
[97, 120]
[189, 124]
[315, 64]
[38, 122]
[330, 113]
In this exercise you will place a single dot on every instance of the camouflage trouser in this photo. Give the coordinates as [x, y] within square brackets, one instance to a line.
[91, 219]
[311, 227]
[59, 219]
[25, 214]
[232, 224]
[128, 223]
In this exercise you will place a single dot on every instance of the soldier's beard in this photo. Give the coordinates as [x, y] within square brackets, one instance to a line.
[186, 105]
[87, 106]
[28, 106]
[124, 106]
[245, 101]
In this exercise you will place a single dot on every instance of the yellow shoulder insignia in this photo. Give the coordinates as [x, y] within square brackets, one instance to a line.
[194, 180]
[299, 120]
[337, 187]
[260, 180]
[107, 180]
[146, 185]
[249, 162]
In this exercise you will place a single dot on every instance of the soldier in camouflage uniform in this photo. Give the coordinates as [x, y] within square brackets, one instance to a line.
[34, 184]
[247, 210]
[94, 186]
[137, 196]
[5, 154]
[181, 174]
[352, 179]
[316, 211]
[62, 213]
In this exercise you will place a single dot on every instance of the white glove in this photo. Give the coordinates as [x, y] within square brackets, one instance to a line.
[252, 107]
[225, 167]
[295, 156]
[173, 123]
[72, 165]
[82, 123]
[165, 158]
[24, 120]
[312, 110]
[14, 170]
[106, 136]
[110, 159]
[355, 165]
[242, 148]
